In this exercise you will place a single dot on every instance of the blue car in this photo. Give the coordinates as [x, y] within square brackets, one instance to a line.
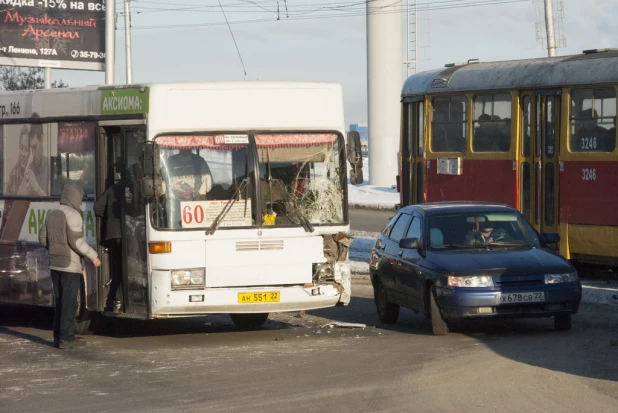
[470, 260]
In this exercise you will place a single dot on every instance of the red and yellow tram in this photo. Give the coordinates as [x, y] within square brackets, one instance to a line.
[537, 134]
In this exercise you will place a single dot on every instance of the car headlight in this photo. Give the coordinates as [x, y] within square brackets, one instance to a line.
[188, 278]
[566, 277]
[471, 281]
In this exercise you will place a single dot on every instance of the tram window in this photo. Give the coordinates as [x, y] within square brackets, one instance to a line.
[449, 131]
[549, 194]
[525, 189]
[526, 125]
[593, 120]
[421, 128]
[492, 123]
[551, 129]
[74, 160]
[420, 193]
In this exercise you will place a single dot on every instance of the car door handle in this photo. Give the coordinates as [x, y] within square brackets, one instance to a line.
[400, 253]
[383, 247]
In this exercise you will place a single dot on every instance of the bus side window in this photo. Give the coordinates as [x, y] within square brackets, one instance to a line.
[75, 157]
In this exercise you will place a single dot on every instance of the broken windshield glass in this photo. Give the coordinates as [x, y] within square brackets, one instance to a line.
[301, 178]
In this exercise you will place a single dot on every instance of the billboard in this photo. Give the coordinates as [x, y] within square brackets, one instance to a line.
[63, 34]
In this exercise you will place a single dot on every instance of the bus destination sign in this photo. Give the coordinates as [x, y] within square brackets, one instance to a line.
[64, 34]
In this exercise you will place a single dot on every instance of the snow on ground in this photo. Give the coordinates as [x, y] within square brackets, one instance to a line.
[372, 196]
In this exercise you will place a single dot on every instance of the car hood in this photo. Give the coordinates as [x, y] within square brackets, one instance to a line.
[509, 262]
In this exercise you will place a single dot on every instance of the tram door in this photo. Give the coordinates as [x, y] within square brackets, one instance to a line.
[542, 172]
[413, 151]
[120, 142]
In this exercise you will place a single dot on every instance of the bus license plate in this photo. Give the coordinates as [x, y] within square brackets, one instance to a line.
[267, 297]
[535, 297]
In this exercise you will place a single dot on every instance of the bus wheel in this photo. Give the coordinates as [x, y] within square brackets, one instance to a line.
[249, 321]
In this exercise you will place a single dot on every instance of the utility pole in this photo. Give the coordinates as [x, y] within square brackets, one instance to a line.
[47, 75]
[127, 40]
[384, 79]
[110, 41]
[549, 25]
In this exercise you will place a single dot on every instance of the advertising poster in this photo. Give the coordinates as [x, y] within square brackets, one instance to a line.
[64, 34]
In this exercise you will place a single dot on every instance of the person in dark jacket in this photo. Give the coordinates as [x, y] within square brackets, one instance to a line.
[108, 207]
[62, 235]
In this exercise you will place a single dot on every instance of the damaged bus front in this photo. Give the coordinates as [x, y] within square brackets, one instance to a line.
[247, 223]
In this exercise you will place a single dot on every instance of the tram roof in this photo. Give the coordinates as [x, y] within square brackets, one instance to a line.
[590, 68]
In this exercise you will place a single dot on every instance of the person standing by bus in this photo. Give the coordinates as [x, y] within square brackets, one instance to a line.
[62, 235]
[108, 207]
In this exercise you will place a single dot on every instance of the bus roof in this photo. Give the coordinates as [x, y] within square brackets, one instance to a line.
[591, 68]
[185, 106]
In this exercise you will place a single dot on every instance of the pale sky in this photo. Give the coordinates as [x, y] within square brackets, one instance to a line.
[305, 48]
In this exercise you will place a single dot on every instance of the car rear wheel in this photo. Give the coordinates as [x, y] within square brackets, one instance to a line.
[439, 326]
[250, 321]
[562, 322]
[387, 312]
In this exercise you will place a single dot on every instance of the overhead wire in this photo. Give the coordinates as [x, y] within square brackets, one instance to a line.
[392, 8]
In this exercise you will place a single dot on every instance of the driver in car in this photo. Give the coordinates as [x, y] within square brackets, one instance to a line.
[485, 234]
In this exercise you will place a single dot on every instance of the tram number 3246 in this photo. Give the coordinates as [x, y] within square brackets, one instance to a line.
[589, 174]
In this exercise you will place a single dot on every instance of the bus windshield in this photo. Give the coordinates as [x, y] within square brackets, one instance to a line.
[300, 176]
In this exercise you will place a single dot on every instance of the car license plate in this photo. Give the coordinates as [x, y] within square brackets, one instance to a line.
[513, 298]
[267, 297]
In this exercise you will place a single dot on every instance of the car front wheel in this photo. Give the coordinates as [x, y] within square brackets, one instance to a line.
[387, 312]
[439, 326]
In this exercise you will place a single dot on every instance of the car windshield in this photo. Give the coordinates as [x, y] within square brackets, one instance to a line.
[480, 229]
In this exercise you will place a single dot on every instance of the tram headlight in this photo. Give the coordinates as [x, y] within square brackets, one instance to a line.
[189, 278]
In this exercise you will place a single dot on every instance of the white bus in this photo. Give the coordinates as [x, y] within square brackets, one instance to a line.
[234, 196]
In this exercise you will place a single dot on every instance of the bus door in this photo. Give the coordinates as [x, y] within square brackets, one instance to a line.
[413, 151]
[121, 142]
[546, 164]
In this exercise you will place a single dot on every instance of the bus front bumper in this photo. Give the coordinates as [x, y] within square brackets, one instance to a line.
[181, 303]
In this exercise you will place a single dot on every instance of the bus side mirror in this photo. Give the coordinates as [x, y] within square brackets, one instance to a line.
[148, 187]
[148, 158]
[354, 150]
[356, 175]
[355, 157]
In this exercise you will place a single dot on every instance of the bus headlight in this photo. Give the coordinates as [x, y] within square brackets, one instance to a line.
[188, 279]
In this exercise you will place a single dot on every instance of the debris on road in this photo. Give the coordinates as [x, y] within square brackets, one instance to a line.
[344, 325]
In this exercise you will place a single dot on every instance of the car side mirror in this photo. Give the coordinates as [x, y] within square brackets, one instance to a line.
[409, 243]
[551, 237]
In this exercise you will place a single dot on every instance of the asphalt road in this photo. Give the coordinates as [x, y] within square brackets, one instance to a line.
[369, 220]
[295, 365]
